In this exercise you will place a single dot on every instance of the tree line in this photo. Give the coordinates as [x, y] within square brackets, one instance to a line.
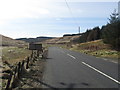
[110, 33]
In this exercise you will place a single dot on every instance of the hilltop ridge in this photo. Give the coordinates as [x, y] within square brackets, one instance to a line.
[37, 39]
[63, 40]
[7, 41]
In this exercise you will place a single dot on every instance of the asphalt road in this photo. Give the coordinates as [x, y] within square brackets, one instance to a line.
[69, 69]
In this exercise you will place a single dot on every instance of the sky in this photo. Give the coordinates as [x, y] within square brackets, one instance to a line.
[54, 18]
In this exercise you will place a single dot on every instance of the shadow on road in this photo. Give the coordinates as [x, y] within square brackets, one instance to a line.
[49, 58]
[49, 86]
[35, 80]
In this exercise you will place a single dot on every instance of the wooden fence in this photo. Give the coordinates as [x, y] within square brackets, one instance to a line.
[16, 72]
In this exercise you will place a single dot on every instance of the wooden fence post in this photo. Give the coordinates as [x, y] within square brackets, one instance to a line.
[19, 69]
[22, 68]
[44, 54]
[27, 65]
[38, 53]
[31, 56]
[15, 72]
[16, 77]
[9, 82]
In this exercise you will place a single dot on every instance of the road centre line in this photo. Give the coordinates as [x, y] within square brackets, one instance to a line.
[114, 62]
[101, 73]
[71, 56]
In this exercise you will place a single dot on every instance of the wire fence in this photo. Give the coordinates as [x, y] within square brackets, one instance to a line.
[16, 72]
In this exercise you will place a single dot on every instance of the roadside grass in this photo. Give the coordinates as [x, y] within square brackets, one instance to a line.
[14, 54]
[96, 48]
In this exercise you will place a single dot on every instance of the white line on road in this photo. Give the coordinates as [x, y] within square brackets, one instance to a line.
[113, 62]
[101, 72]
[71, 56]
[110, 61]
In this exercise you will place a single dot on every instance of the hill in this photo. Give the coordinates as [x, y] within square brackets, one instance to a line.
[33, 40]
[63, 40]
[7, 41]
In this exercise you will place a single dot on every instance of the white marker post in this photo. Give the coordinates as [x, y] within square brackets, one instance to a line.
[79, 29]
[119, 10]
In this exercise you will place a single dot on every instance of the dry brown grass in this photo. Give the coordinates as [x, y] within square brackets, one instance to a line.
[94, 45]
[62, 40]
[97, 48]
[14, 54]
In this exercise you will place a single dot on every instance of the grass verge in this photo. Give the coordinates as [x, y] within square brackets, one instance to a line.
[97, 48]
[14, 54]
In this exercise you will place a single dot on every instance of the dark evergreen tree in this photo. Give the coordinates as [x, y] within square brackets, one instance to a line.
[83, 37]
[111, 34]
[113, 17]
[94, 34]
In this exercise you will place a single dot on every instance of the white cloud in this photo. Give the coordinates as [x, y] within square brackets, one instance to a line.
[11, 9]
[29, 18]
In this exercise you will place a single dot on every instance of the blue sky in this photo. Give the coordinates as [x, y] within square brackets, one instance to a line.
[33, 18]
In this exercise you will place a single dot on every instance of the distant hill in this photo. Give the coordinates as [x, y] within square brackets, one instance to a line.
[7, 41]
[33, 40]
[67, 38]
[72, 34]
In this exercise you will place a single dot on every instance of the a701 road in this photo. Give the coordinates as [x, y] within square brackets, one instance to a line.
[68, 69]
